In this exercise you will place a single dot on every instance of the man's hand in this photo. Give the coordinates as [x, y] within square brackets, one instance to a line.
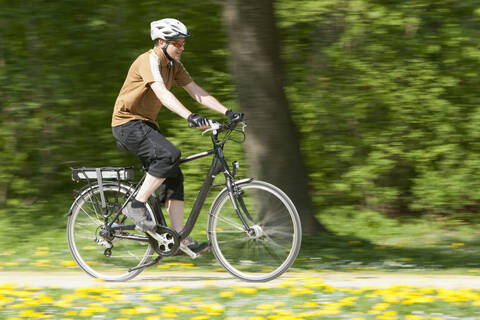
[233, 116]
[197, 121]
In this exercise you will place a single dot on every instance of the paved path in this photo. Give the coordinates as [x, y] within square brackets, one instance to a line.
[196, 279]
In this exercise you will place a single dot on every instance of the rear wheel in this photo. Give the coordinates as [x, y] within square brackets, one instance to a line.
[272, 242]
[102, 254]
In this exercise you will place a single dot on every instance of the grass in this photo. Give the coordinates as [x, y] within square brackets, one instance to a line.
[360, 241]
[296, 299]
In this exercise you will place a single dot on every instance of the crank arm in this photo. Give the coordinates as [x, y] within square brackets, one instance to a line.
[189, 252]
[157, 237]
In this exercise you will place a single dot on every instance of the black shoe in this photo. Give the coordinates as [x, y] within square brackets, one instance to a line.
[193, 245]
[199, 247]
[140, 217]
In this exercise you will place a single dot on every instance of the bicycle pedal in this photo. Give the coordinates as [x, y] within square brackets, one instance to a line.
[188, 251]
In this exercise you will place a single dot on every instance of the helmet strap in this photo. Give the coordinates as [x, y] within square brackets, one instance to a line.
[164, 49]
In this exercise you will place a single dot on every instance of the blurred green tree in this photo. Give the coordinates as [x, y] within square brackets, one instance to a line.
[384, 95]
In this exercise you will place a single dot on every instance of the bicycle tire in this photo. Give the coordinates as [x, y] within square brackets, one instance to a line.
[274, 246]
[83, 228]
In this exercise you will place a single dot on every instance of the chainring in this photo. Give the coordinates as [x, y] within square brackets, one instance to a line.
[169, 244]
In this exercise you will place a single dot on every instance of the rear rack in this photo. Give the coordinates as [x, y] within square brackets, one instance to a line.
[99, 174]
[115, 173]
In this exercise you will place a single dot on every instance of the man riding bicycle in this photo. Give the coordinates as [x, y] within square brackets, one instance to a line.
[146, 88]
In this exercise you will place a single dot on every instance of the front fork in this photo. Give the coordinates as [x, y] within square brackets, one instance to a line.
[235, 194]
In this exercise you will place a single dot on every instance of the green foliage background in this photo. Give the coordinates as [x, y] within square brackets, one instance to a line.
[384, 94]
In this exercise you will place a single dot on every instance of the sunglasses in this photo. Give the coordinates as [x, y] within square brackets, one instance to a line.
[178, 44]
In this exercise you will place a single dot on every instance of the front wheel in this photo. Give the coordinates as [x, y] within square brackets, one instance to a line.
[270, 244]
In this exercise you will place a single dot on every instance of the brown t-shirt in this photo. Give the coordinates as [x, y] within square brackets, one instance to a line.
[136, 99]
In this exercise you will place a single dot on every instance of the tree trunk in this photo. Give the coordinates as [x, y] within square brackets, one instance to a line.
[272, 146]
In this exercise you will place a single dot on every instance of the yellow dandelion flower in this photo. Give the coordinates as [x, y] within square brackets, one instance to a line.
[169, 308]
[41, 253]
[226, 294]
[33, 314]
[63, 303]
[457, 244]
[175, 289]
[150, 288]
[68, 263]
[130, 311]
[212, 307]
[10, 264]
[144, 309]
[287, 284]
[5, 300]
[298, 291]
[151, 297]
[309, 304]
[167, 315]
[413, 317]
[246, 290]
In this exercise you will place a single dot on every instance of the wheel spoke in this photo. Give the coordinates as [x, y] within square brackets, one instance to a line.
[271, 244]
[94, 220]
[84, 229]
[232, 223]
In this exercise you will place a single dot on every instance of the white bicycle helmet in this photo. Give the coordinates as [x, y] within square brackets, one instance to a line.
[168, 29]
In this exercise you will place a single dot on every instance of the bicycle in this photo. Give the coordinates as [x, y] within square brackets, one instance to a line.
[253, 227]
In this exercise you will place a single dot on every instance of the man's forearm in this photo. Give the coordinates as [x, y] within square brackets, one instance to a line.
[212, 103]
[169, 100]
[204, 98]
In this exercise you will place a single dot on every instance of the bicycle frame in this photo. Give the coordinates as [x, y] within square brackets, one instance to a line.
[218, 165]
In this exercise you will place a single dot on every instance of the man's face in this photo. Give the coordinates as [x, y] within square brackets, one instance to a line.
[176, 48]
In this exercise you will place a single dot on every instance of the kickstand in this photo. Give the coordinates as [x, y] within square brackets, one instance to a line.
[151, 263]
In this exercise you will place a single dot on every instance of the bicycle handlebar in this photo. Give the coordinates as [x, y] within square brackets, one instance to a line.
[217, 126]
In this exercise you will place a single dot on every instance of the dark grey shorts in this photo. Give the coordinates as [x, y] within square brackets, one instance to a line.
[156, 153]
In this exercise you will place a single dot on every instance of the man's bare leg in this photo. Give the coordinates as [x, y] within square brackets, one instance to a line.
[149, 185]
[175, 211]
[136, 209]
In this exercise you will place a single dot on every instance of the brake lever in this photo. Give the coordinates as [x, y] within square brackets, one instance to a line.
[214, 126]
[244, 125]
